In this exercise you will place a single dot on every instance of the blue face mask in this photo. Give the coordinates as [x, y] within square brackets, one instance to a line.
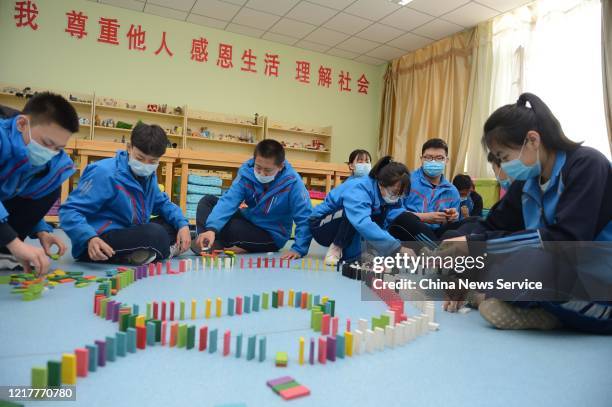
[503, 183]
[141, 169]
[433, 168]
[362, 169]
[37, 153]
[516, 170]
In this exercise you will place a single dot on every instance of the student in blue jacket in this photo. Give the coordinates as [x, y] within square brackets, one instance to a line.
[366, 202]
[360, 164]
[275, 196]
[108, 215]
[432, 206]
[33, 166]
[561, 191]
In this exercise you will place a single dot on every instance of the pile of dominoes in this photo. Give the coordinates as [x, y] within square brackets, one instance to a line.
[288, 388]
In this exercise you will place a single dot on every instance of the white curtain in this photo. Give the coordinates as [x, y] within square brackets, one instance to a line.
[552, 48]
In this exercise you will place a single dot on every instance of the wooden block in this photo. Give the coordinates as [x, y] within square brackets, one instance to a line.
[238, 345]
[251, 348]
[208, 307]
[348, 337]
[39, 378]
[325, 324]
[181, 341]
[173, 334]
[262, 349]
[219, 305]
[322, 350]
[291, 298]
[193, 309]
[203, 338]
[69, 368]
[331, 348]
[190, 337]
[226, 343]
[281, 295]
[301, 351]
[340, 346]
[54, 373]
[369, 340]
[294, 392]
[334, 326]
[239, 305]
[82, 361]
[212, 346]
[379, 338]
[357, 338]
[164, 335]
[389, 335]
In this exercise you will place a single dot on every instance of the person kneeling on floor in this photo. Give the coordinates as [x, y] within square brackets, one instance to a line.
[108, 215]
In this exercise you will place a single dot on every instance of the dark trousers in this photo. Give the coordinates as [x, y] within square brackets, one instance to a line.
[238, 231]
[156, 236]
[334, 228]
[25, 213]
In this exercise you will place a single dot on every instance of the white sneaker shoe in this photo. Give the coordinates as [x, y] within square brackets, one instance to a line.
[9, 262]
[333, 255]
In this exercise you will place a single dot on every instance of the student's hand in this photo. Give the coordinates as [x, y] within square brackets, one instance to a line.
[99, 250]
[206, 239]
[451, 214]
[433, 217]
[183, 238]
[48, 240]
[290, 255]
[30, 256]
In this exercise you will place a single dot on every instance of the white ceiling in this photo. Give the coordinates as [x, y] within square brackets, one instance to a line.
[369, 31]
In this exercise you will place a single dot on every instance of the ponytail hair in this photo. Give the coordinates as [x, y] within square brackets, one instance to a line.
[388, 173]
[509, 125]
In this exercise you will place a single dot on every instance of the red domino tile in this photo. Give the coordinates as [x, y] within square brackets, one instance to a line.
[295, 392]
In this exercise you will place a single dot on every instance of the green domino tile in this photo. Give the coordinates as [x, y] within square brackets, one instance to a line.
[190, 337]
[274, 299]
[182, 313]
[39, 377]
[158, 325]
[318, 316]
[333, 307]
[182, 336]
[54, 373]
[264, 300]
[384, 320]
[284, 386]
[149, 312]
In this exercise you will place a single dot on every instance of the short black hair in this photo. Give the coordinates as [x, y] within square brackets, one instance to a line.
[462, 182]
[388, 172]
[48, 108]
[150, 139]
[435, 143]
[269, 148]
[355, 154]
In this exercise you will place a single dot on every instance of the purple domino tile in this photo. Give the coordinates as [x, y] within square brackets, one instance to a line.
[109, 310]
[116, 312]
[280, 380]
[312, 350]
[331, 348]
[101, 353]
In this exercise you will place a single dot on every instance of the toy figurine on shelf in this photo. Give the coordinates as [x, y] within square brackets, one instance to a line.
[152, 108]
[123, 125]
[122, 139]
[128, 106]
[256, 119]
[26, 93]
[178, 110]
[109, 102]
[162, 108]
[84, 121]
[97, 120]
[204, 132]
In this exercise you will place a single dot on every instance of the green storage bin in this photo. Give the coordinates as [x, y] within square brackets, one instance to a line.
[488, 188]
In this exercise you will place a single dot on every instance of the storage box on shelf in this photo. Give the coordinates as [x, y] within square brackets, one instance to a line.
[220, 132]
[302, 142]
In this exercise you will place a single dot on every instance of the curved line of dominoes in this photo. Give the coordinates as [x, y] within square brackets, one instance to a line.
[135, 331]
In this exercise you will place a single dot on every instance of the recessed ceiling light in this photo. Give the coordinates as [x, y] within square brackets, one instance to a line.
[400, 2]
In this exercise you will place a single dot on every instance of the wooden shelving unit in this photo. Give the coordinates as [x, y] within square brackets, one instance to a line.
[207, 131]
[302, 142]
[229, 141]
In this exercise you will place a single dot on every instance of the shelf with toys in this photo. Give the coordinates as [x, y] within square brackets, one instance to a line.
[210, 131]
[302, 142]
[114, 119]
[16, 98]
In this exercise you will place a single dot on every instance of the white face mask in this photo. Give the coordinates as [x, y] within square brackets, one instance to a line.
[142, 169]
[362, 169]
[265, 179]
[37, 153]
[390, 198]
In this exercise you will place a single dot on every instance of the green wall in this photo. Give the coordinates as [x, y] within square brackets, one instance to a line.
[50, 57]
